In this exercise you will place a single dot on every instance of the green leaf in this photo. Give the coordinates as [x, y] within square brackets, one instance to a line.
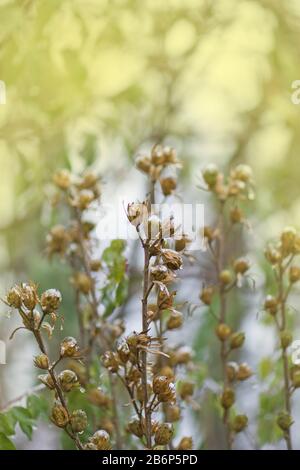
[7, 425]
[24, 418]
[27, 429]
[37, 405]
[5, 443]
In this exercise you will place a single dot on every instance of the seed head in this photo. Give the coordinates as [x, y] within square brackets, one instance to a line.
[78, 421]
[175, 320]
[237, 340]
[163, 434]
[284, 421]
[50, 300]
[41, 361]
[244, 372]
[286, 339]
[14, 297]
[69, 347]
[240, 422]
[227, 398]
[186, 443]
[62, 179]
[172, 259]
[68, 380]
[223, 331]
[59, 415]
[207, 295]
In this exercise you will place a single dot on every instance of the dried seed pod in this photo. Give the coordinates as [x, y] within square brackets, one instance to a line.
[208, 233]
[223, 331]
[101, 440]
[50, 300]
[227, 398]
[59, 415]
[296, 379]
[186, 443]
[237, 340]
[41, 361]
[111, 361]
[240, 422]
[284, 421]
[168, 372]
[210, 175]
[271, 304]
[272, 255]
[84, 198]
[123, 352]
[294, 274]
[47, 380]
[143, 163]
[82, 282]
[153, 227]
[236, 215]
[288, 237]
[89, 180]
[172, 413]
[163, 434]
[242, 172]
[286, 339]
[57, 240]
[175, 320]
[244, 372]
[171, 259]
[207, 295]
[161, 273]
[29, 295]
[78, 420]
[95, 265]
[241, 265]
[168, 185]
[136, 213]
[225, 277]
[160, 384]
[134, 427]
[69, 347]
[62, 179]
[68, 380]
[181, 243]
[14, 297]
[231, 371]
[186, 390]
[165, 300]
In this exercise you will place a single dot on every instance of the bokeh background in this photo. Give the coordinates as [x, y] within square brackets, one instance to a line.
[91, 82]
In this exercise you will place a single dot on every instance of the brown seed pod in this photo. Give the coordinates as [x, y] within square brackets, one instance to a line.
[240, 422]
[41, 361]
[227, 398]
[163, 434]
[78, 420]
[59, 415]
[223, 331]
[69, 347]
[68, 380]
[186, 443]
[237, 340]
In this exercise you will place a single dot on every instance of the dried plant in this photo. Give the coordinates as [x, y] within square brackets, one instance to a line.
[34, 311]
[143, 363]
[281, 256]
[228, 195]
